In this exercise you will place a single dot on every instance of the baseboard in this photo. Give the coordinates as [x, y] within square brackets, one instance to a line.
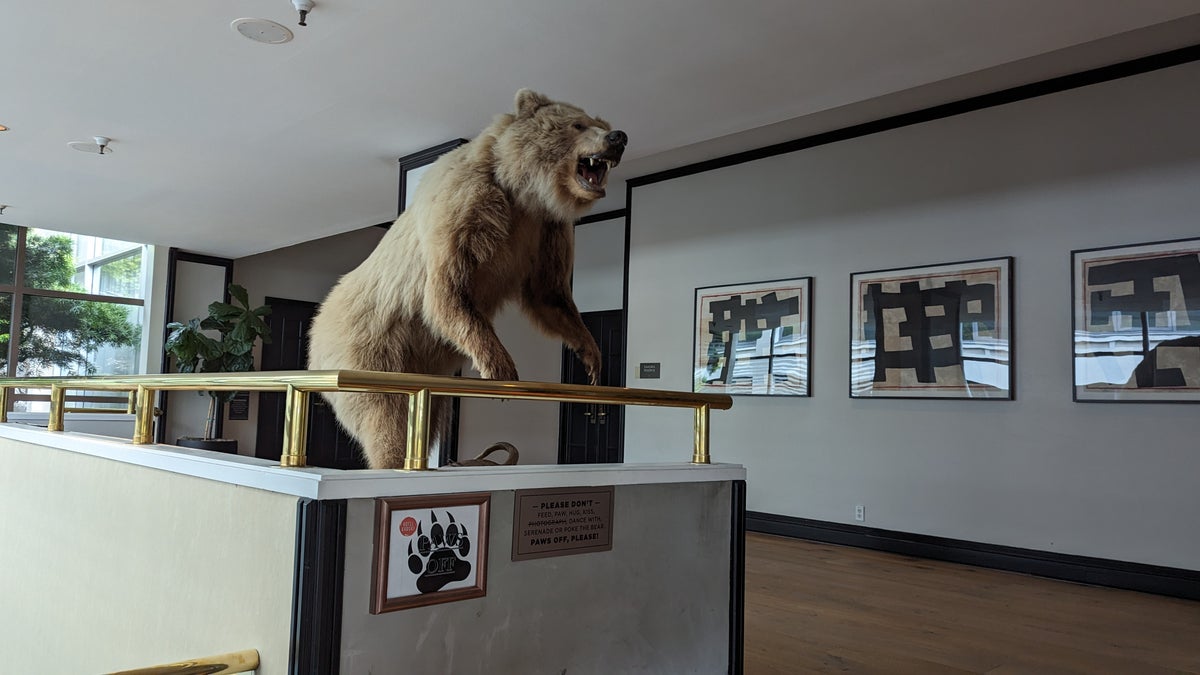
[1175, 582]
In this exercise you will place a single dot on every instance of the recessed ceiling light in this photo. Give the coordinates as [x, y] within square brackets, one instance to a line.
[261, 30]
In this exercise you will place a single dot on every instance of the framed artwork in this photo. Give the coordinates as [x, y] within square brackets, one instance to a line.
[754, 339]
[429, 550]
[1137, 322]
[414, 165]
[940, 331]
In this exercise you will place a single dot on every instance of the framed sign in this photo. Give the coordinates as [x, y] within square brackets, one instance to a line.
[551, 522]
[429, 550]
[1137, 322]
[753, 338]
[940, 331]
[412, 166]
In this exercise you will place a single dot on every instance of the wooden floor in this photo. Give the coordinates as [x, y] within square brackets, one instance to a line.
[821, 608]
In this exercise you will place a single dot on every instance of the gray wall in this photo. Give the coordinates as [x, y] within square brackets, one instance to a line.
[658, 602]
[302, 272]
[1108, 164]
[533, 425]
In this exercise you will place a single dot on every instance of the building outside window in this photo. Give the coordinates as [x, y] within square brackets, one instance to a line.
[78, 302]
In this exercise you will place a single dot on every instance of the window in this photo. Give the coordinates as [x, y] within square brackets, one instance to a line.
[77, 300]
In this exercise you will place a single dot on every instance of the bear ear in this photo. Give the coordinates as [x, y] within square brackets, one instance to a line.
[528, 101]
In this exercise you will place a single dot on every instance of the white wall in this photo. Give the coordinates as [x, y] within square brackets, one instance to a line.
[110, 566]
[599, 265]
[532, 426]
[1108, 164]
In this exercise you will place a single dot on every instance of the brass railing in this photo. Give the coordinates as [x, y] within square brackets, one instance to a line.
[226, 664]
[299, 385]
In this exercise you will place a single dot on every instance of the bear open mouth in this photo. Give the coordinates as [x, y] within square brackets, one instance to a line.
[592, 172]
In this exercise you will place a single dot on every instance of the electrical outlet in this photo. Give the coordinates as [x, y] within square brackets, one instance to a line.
[860, 513]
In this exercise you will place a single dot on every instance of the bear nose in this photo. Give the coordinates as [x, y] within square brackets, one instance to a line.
[617, 138]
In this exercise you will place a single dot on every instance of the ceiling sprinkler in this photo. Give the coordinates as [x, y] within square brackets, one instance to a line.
[304, 7]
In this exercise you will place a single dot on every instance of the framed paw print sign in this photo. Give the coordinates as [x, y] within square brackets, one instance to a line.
[429, 550]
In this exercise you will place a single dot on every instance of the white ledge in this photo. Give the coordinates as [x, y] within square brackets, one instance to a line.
[315, 483]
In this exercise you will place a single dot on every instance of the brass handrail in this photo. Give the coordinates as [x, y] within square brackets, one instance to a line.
[226, 664]
[298, 385]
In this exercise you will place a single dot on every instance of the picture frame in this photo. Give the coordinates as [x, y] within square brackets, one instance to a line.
[753, 339]
[958, 346]
[429, 550]
[1136, 323]
[414, 165]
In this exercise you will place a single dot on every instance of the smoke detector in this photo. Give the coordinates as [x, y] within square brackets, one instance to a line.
[262, 30]
[99, 145]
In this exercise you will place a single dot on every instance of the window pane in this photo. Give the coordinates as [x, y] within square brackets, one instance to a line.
[49, 262]
[78, 337]
[121, 277]
[8, 253]
[74, 262]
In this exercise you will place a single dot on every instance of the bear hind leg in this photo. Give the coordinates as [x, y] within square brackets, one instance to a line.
[383, 427]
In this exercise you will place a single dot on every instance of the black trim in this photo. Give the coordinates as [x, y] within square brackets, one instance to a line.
[419, 159]
[604, 215]
[625, 287]
[317, 591]
[174, 257]
[737, 578]
[1023, 92]
[1172, 581]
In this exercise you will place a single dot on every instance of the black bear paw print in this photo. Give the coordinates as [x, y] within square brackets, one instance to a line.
[441, 556]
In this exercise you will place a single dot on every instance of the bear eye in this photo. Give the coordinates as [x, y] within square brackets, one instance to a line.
[578, 126]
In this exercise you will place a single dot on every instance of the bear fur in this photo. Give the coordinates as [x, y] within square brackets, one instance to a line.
[490, 222]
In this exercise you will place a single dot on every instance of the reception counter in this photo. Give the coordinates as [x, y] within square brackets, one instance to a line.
[121, 555]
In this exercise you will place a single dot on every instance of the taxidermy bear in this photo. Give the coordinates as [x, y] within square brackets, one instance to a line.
[491, 221]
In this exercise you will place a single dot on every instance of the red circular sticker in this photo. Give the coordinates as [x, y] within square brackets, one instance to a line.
[408, 526]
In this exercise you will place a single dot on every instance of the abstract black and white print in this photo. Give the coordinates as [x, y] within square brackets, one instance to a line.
[940, 331]
[1137, 322]
[753, 338]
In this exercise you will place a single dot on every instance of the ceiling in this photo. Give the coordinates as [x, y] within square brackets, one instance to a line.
[229, 147]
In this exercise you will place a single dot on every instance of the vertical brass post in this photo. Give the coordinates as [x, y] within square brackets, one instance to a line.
[4, 404]
[700, 450]
[132, 402]
[58, 401]
[143, 410]
[295, 429]
[416, 456]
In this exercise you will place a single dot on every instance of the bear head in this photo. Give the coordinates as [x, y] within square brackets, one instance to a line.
[554, 156]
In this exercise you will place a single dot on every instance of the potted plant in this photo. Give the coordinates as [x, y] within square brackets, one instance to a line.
[237, 328]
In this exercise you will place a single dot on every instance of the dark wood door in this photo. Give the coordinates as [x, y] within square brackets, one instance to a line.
[593, 433]
[329, 445]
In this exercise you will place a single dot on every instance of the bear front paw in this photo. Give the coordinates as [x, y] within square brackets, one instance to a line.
[505, 372]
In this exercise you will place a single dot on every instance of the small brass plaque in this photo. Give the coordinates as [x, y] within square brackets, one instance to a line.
[562, 521]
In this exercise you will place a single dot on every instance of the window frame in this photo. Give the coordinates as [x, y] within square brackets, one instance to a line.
[19, 290]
